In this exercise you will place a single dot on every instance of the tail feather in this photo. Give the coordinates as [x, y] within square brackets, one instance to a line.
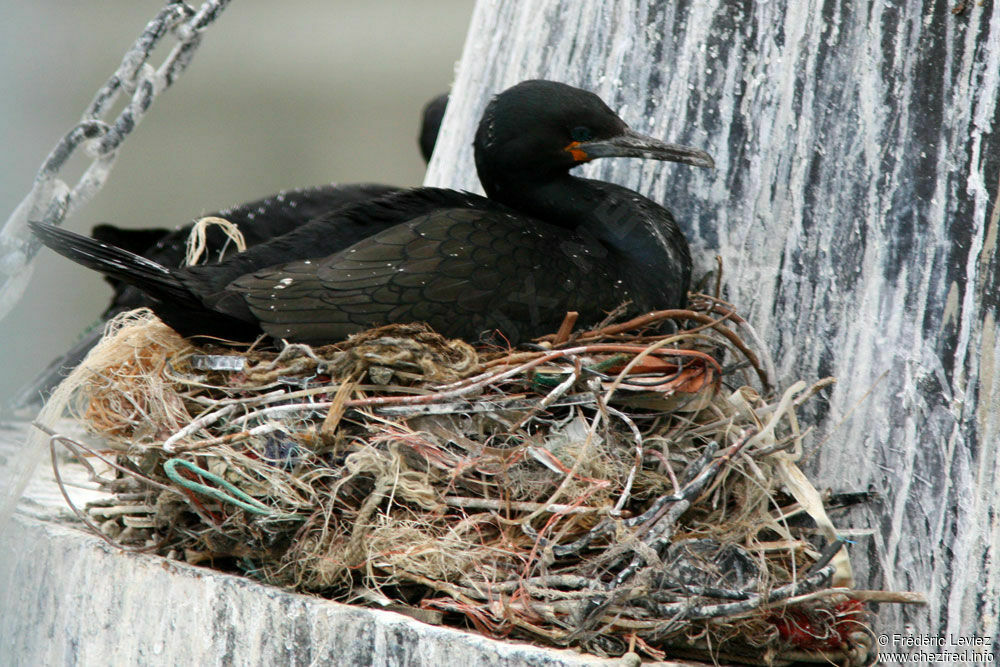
[156, 280]
[177, 301]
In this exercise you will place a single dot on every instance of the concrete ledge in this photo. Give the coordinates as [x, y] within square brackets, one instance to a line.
[70, 599]
[67, 598]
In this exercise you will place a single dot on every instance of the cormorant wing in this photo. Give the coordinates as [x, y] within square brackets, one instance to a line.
[463, 271]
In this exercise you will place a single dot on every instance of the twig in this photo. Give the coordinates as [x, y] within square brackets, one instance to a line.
[638, 458]
[566, 327]
[519, 506]
[205, 420]
[69, 443]
[262, 429]
[690, 611]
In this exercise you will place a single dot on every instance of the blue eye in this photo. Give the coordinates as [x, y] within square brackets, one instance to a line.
[581, 134]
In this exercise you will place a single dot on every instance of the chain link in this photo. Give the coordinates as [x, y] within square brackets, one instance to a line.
[51, 199]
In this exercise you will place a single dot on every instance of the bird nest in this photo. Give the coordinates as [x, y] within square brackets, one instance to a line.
[629, 489]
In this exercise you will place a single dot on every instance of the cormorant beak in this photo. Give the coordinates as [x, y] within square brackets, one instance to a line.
[633, 144]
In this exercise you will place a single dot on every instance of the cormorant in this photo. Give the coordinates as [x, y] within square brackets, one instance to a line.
[263, 219]
[543, 242]
[433, 114]
[258, 221]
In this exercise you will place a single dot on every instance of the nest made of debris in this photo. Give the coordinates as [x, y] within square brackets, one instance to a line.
[630, 488]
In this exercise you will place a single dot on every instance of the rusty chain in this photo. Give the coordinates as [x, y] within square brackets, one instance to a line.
[51, 199]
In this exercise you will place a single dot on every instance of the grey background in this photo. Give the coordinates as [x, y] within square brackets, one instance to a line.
[278, 95]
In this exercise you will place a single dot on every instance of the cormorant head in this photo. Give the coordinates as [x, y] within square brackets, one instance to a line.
[537, 130]
[433, 115]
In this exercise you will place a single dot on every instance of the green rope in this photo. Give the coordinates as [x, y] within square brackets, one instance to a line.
[235, 495]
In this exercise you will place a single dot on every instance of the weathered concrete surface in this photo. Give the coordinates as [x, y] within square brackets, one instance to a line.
[67, 598]
[854, 204]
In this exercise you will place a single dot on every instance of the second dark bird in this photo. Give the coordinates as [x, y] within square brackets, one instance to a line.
[541, 243]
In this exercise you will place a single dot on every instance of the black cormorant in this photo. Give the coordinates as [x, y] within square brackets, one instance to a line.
[433, 114]
[543, 242]
[258, 221]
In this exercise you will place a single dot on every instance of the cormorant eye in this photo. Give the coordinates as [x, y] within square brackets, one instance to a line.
[581, 133]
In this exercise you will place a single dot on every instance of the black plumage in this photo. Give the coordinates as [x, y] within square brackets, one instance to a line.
[433, 115]
[258, 221]
[542, 242]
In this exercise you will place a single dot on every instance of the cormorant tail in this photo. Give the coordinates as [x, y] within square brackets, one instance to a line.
[156, 280]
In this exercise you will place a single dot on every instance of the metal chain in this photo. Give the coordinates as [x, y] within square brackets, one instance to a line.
[51, 199]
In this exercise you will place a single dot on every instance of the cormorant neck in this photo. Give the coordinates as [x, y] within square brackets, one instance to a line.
[563, 200]
[639, 231]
